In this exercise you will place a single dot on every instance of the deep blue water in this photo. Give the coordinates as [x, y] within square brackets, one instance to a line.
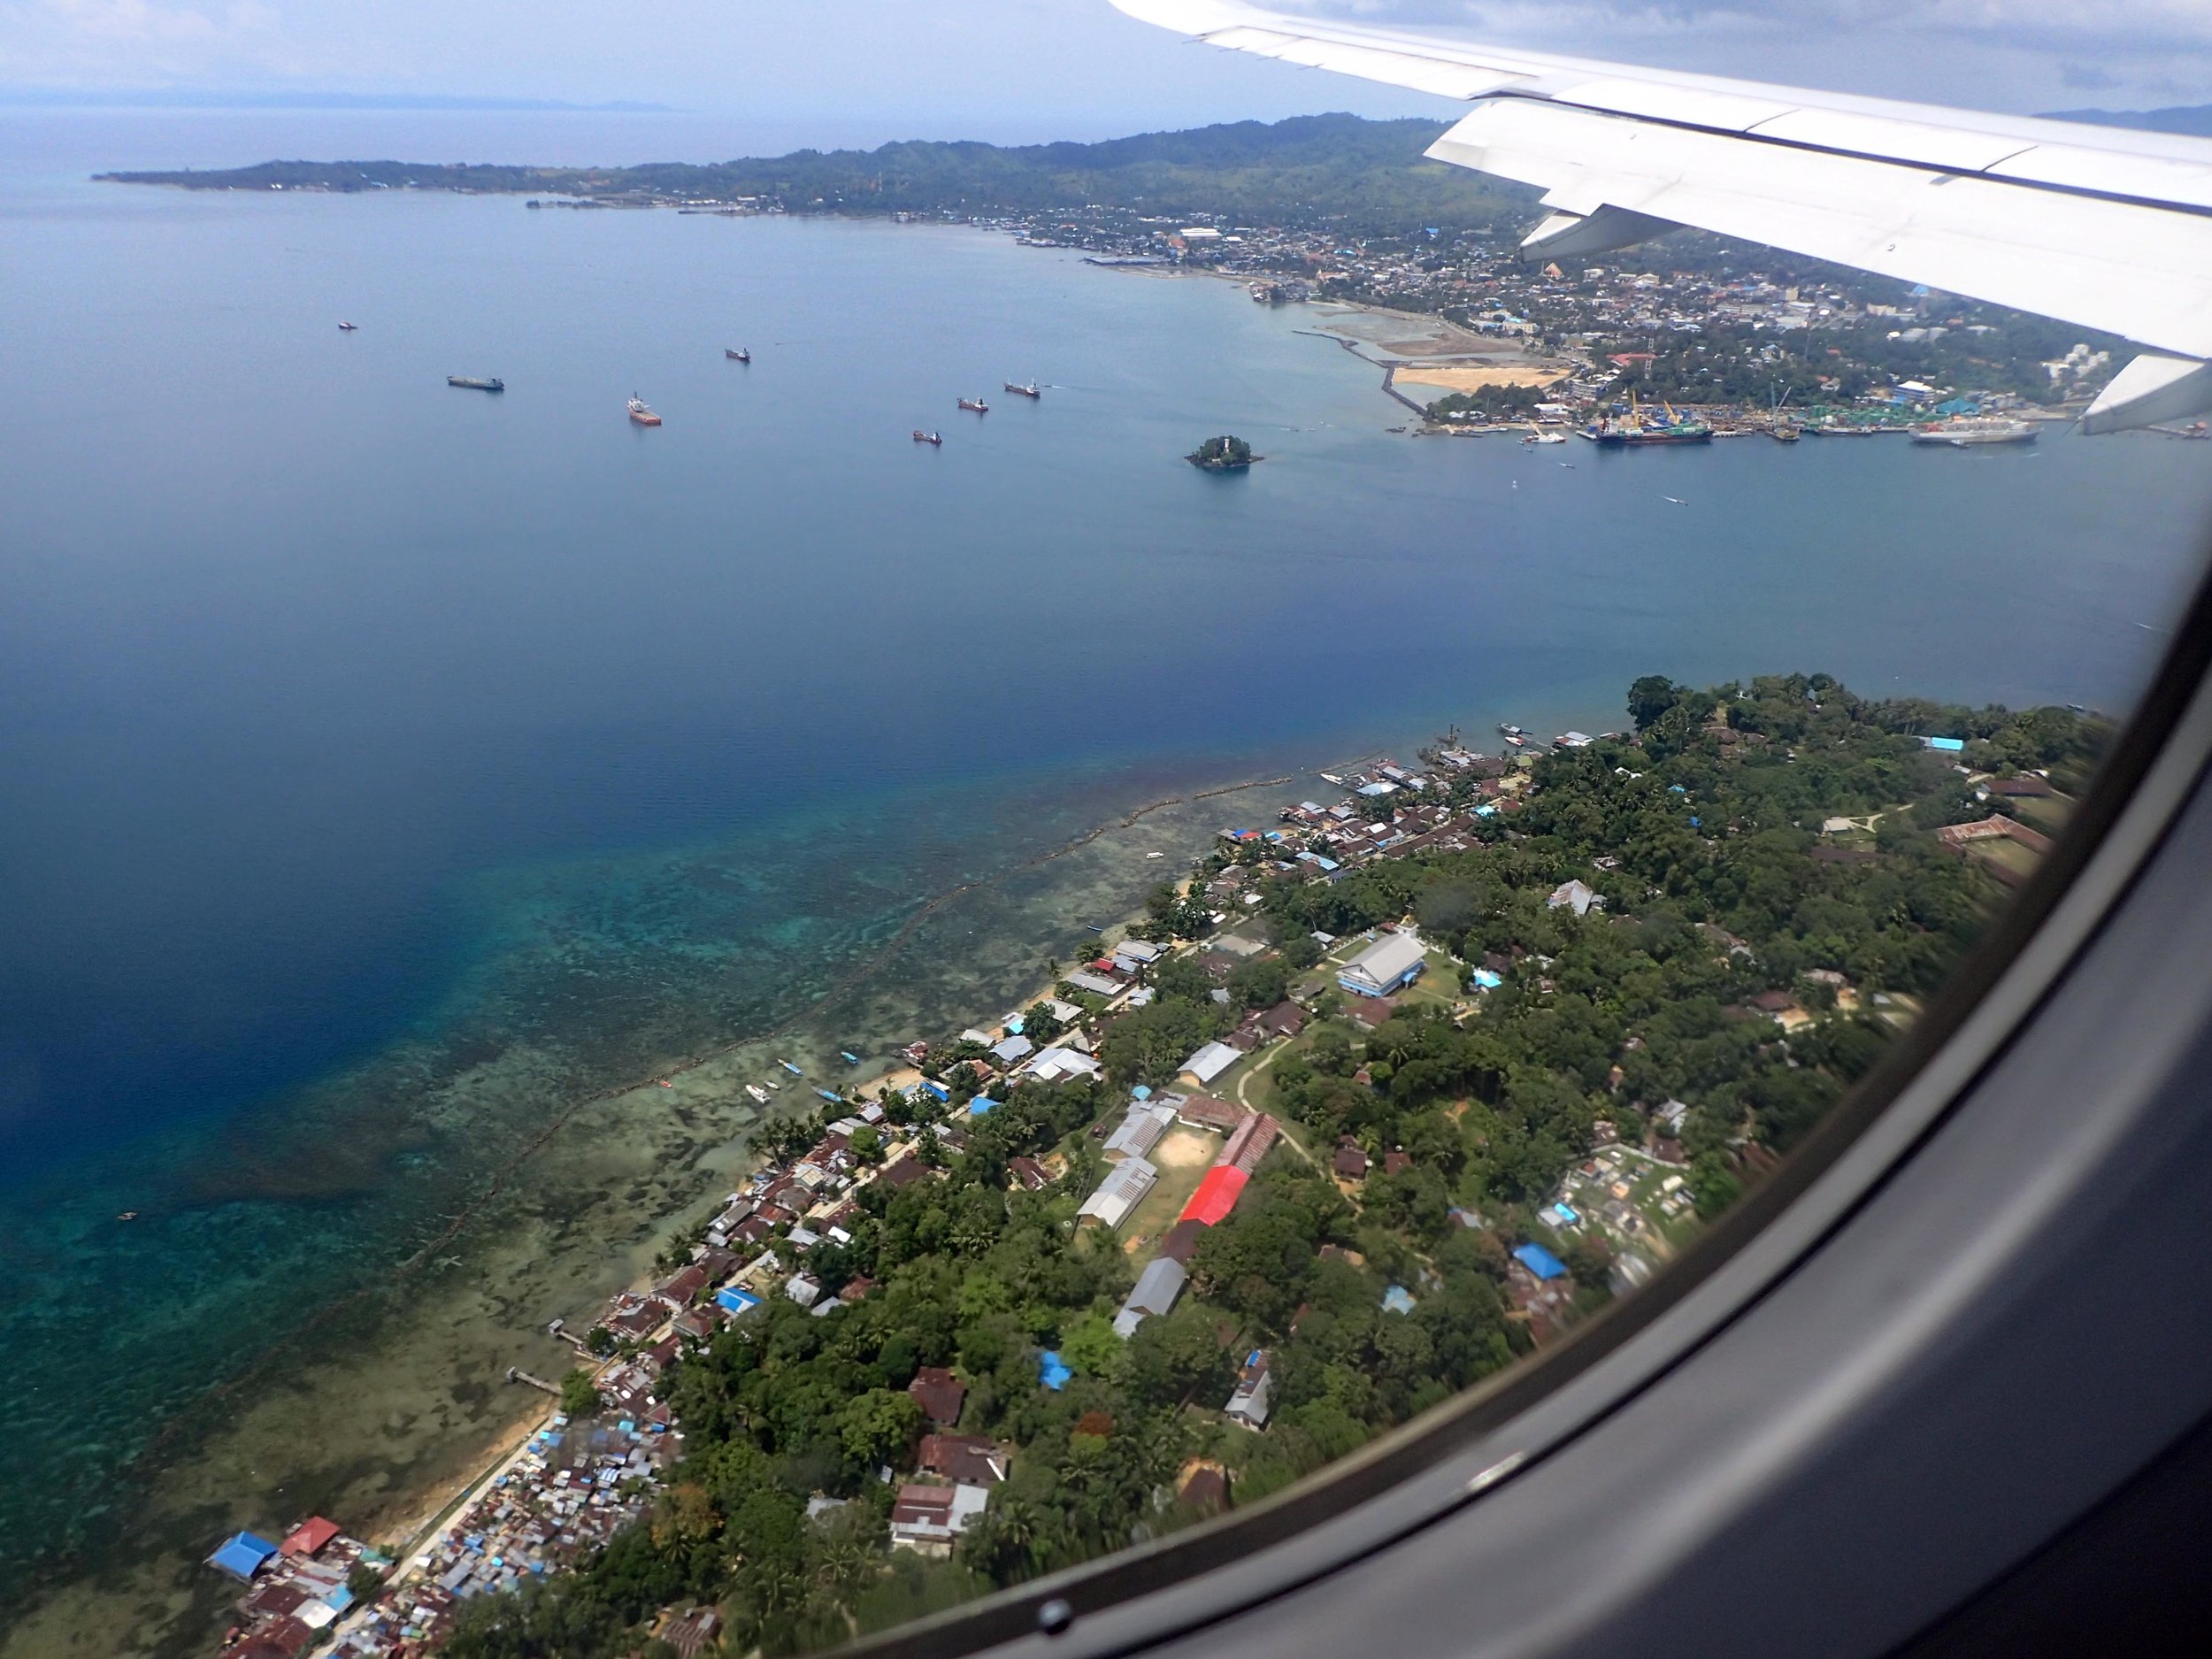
[322, 684]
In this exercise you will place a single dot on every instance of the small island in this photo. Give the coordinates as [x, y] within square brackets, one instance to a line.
[1224, 454]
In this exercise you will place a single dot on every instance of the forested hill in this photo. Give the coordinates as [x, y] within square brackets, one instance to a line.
[1309, 167]
[2190, 119]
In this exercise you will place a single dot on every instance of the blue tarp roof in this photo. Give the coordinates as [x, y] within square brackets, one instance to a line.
[1954, 744]
[242, 1555]
[1052, 1371]
[981, 1104]
[1397, 1299]
[1540, 1262]
[1488, 980]
[736, 1300]
[938, 1089]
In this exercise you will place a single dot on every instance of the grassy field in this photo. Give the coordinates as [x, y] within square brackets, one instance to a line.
[1183, 1156]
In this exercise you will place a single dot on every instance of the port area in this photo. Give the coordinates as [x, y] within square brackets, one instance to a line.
[1423, 357]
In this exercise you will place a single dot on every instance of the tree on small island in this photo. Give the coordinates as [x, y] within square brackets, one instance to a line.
[1224, 454]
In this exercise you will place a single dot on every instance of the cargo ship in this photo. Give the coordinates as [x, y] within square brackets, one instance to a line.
[927, 437]
[1634, 428]
[469, 382]
[1029, 390]
[1972, 429]
[737, 354]
[641, 414]
[977, 404]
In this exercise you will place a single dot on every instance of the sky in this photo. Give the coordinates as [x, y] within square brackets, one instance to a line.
[1040, 69]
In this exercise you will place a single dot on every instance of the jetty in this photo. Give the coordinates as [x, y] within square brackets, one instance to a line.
[515, 1374]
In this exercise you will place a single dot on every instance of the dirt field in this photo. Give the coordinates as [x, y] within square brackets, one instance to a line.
[1181, 1148]
[1471, 377]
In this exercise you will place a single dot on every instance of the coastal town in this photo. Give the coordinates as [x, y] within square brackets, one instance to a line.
[1305, 1043]
[1416, 267]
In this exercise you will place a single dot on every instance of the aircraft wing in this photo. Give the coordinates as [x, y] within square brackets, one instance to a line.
[2101, 226]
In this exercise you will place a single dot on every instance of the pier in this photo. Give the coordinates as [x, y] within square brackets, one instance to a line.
[515, 1374]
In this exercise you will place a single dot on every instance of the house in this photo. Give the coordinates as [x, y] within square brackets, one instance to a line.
[1028, 1173]
[1371, 1012]
[967, 1460]
[1248, 1142]
[1574, 896]
[1394, 1162]
[939, 1395]
[1204, 1111]
[927, 1519]
[1540, 1262]
[692, 1633]
[1249, 1404]
[1096, 984]
[1157, 1288]
[243, 1554]
[679, 1291]
[1350, 1163]
[1182, 1241]
[309, 1537]
[1285, 1019]
[1204, 1490]
[1121, 1191]
[903, 1172]
[1391, 963]
[1060, 1063]
[1217, 1195]
[1140, 1129]
[2027, 785]
[1014, 1049]
[1209, 1063]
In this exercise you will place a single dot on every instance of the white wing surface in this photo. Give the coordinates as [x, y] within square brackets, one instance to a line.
[2102, 226]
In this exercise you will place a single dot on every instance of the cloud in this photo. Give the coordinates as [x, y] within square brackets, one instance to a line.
[2003, 53]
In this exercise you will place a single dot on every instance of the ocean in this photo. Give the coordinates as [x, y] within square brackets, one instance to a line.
[395, 774]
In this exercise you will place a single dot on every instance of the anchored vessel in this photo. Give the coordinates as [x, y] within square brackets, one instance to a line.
[737, 354]
[471, 382]
[641, 414]
[347, 329]
[977, 404]
[1029, 390]
[1969, 429]
[926, 437]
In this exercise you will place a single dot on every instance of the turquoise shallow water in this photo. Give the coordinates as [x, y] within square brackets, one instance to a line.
[390, 767]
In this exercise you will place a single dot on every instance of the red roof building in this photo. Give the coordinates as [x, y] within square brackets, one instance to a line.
[1217, 1195]
[309, 1537]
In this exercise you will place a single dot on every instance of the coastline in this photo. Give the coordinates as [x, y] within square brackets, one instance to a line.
[388, 1408]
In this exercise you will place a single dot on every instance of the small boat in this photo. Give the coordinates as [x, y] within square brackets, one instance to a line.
[1537, 435]
[926, 437]
[1510, 730]
[641, 414]
[343, 328]
[1516, 740]
[773, 1086]
[758, 1093]
[664, 1083]
[847, 1057]
[977, 404]
[787, 1067]
[127, 1215]
[1029, 390]
[830, 1095]
[737, 354]
[473, 383]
